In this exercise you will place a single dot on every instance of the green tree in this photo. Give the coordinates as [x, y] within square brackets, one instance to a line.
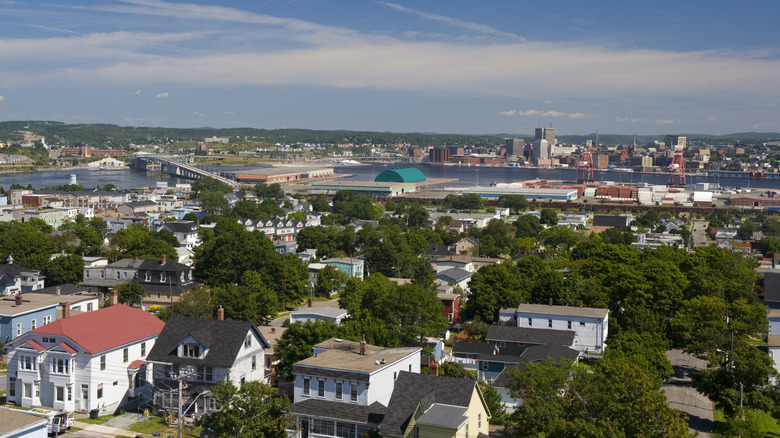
[493, 287]
[647, 350]
[274, 190]
[329, 281]
[64, 269]
[296, 342]
[209, 184]
[130, 293]
[548, 217]
[515, 203]
[528, 226]
[139, 241]
[253, 410]
[194, 303]
[213, 203]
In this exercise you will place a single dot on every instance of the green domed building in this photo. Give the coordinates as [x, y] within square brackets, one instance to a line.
[401, 174]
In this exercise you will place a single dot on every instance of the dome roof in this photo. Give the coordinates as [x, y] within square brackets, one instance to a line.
[401, 174]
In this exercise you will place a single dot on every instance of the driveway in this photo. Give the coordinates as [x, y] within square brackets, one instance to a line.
[682, 396]
[699, 233]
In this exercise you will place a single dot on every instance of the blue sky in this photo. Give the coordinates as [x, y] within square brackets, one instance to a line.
[471, 67]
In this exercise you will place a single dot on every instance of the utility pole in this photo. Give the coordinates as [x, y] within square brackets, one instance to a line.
[180, 421]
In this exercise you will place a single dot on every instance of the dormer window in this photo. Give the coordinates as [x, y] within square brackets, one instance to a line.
[181, 277]
[190, 350]
[163, 277]
[189, 275]
[148, 276]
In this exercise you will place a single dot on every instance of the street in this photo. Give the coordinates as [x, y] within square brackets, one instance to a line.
[684, 397]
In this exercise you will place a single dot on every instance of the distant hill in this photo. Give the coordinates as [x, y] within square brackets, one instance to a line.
[105, 135]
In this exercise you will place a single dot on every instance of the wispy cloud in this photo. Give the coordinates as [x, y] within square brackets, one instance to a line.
[761, 125]
[162, 95]
[2, 98]
[473, 27]
[551, 113]
[137, 93]
[662, 122]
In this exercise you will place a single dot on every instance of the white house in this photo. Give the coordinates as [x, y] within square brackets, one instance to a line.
[304, 314]
[590, 325]
[349, 382]
[16, 279]
[94, 360]
[186, 232]
[212, 351]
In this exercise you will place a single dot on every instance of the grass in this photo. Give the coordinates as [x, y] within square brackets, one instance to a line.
[157, 424]
[99, 420]
[769, 426]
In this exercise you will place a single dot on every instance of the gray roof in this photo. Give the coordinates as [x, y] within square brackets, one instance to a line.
[771, 287]
[14, 270]
[224, 340]
[537, 353]
[11, 420]
[134, 204]
[450, 417]
[602, 220]
[65, 289]
[455, 274]
[328, 312]
[526, 335]
[589, 312]
[412, 389]
[180, 226]
[488, 352]
[373, 413]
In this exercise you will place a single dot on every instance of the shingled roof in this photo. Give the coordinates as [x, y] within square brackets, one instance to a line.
[223, 339]
[412, 388]
[525, 335]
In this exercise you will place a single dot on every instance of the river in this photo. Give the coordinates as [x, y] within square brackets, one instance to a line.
[468, 176]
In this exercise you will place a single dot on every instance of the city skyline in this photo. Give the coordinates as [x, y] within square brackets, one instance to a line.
[444, 67]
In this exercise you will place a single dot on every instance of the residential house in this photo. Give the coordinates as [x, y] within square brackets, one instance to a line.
[435, 251]
[204, 352]
[305, 314]
[466, 262]
[465, 245]
[135, 207]
[450, 306]
[164, 280]
[186, 232]
[590, 325]
[431, 406]
[285, 247]
[271, 335]
[16, 279]
[16, 423]
[90, 361]
[352, 267]
[772, 290]
[104, 278]
[457, 277]
[344, 389]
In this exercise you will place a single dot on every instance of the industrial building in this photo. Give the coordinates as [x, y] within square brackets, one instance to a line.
[371, 188]
[529, 193]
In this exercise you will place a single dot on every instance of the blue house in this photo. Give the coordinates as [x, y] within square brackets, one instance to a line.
[24, 312]
[353, 267]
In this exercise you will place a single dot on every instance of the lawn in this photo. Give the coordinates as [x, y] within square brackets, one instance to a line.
[768, 425]
[99, 420]
[157, 424]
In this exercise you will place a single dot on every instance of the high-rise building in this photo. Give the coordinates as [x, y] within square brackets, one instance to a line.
[673, 140]
[439, 155]
[541, 150]
[546, 134]
[514, 146]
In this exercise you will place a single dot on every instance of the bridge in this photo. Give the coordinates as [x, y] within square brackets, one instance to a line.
[179, 166]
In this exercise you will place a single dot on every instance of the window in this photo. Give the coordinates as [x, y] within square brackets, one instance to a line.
[205, 374]
[484, 365]
[163, 277]
[549, 323]
[479, 420]
[70, 393]
[148, 276]
[12, 387]
[181, 277]
[28, 390]
[410, 368]
[89, 307]
[28, 363]
[306, 384]
[168, 295]
[125, 355]
[33, 324]
[248, 341]
[530, 322]
[191, 350]
[569, 325]
[582, 323]
[143, 348]
[212, 404]
[353, 396]
[243, 380]
[323, 427]
[18, 329]
[60, 393]
[345, 430]
[124, 274]
[339, 390]
[118, 275]
[102, 363]
[254, 363]
[320, 388]
[100, 391]
[148, 294]
[60, 366]
[158, 294]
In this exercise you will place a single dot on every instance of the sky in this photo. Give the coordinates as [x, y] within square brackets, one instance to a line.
[439, 66]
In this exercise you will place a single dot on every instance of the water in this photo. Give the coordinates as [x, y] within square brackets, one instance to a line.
[468, 176]
[88, 178]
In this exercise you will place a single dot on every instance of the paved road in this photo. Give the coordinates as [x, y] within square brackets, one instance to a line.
[699, 233]
[683, 397]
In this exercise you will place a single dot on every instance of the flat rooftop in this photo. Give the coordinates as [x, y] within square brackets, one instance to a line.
[345, 355]
[32, 301]
[563, 310]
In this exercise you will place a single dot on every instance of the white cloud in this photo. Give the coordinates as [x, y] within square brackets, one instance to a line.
[761, 125]
[2, 98]
[162, 95]
[664, 122]
[553, 114]
[137, 93]
[713, 118]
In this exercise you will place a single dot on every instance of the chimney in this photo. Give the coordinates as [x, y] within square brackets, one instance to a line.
[273, 329]
[114, 297]
[551, 301]
[18, 299]
[309, 302]
[57, 290]
[363, 345]
[163, 259]
[435, 369]
[65, 310]
[135, 257]
[220, 314]
[197, 222]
